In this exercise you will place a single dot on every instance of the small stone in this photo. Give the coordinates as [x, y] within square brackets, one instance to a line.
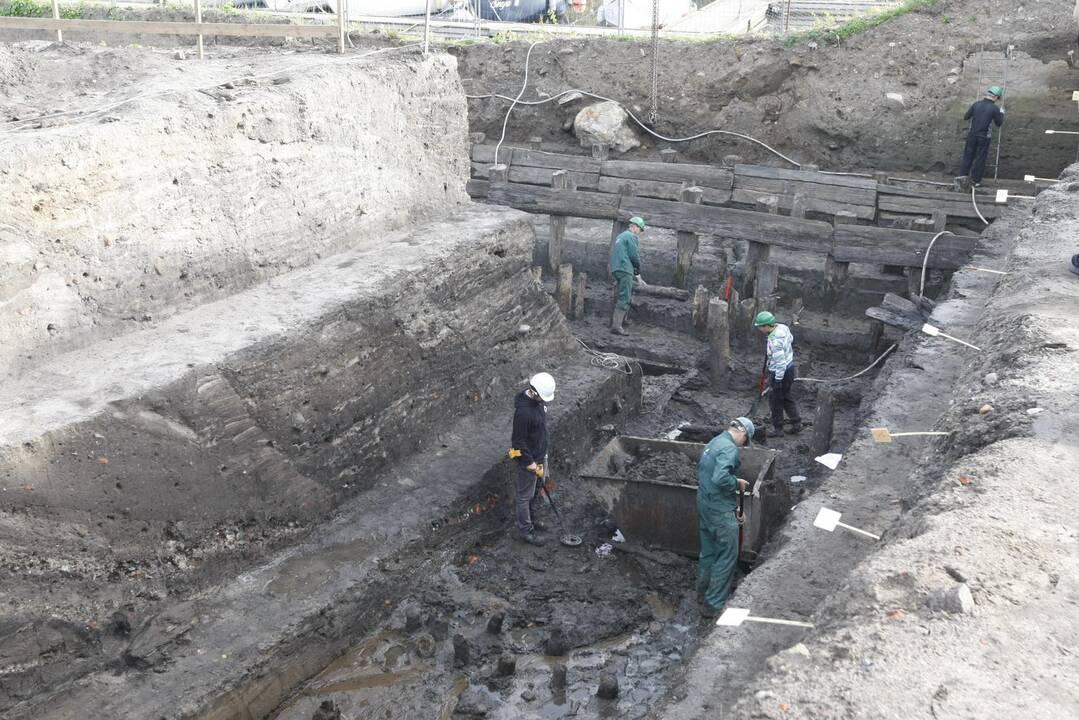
[608, 687]
[764, 695]
[985, 409]
[494, 624]
[528, 695]
[799, 649]
[425, 645]
[1035, 411]
[558, 676]
[990, 378]
[957, 600]
[507, 665]
[895, 100]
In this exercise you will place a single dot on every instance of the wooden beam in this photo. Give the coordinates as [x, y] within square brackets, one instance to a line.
[886, 246]
[924, 202]
[555, 161]
[823, 423]
[742, 196]
[890, 317]
[143, 27]
[688, 242]
[661, 291]
[579, 295]
[661, 190]
[719, 344]
[668, 155]
[702, 175]
[564, 288]
[557, 225]
[536, 199]
[542, 176]
[804, 176]
[700, 308]
[767, 282]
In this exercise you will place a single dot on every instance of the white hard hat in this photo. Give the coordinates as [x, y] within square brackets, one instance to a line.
[543, 384]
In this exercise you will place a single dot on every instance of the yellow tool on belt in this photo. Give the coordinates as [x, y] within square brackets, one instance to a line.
[514, 453]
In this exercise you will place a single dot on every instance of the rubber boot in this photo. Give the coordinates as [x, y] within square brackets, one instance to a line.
[616, 322]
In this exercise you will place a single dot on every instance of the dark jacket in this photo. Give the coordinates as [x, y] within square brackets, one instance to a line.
[529, 429]
[983, 115]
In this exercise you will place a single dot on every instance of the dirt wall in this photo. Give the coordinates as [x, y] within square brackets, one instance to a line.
[218, 175]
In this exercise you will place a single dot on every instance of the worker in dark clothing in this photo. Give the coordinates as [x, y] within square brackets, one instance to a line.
[528, 449]
[718, 487]
[982, 115]
[625, 267]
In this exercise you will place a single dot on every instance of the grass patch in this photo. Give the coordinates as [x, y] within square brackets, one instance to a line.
[860, 24]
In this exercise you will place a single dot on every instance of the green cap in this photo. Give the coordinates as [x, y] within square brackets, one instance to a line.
[639, 222]
[996, 91]
[764, 318]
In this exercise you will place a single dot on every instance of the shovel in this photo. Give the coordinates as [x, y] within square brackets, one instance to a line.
[762, 390]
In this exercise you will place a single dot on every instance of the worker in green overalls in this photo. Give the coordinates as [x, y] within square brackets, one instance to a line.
[625, 267]
[718, 488]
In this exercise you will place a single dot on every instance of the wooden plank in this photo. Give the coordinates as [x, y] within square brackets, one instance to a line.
[579, 295]
[544, 200]
[143, 27]
[558, 225]
[661, 190]
[779, 230]
[477, 189]
[557, 161]
[835, 193]
[775, 173]
[809, 202]
[719, 343]
[542, 176]
[920, 202]
[702, 175]
[893, 318]
[886, 246]
[688, 242]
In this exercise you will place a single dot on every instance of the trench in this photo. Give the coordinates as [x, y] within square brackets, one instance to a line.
[567, 617]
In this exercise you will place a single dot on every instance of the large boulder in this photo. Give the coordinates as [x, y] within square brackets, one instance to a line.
[605, 123]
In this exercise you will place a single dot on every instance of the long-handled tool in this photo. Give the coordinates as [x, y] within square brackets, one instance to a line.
[736, 616]
[567, 539]
[762, 389]
[741, 516]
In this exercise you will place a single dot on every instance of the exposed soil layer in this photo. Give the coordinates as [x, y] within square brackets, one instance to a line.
[672, 467]
[821, 101]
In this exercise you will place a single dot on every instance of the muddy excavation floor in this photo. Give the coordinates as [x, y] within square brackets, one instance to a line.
[569, 615]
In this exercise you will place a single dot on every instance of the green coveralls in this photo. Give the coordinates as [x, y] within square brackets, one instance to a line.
[625, 263]
[717, 501]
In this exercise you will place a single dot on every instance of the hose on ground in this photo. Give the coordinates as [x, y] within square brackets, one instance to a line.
[925, 260]
[974, 202]
[524, 86]
[607, 361]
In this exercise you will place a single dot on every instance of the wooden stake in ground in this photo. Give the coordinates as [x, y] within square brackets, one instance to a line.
[733, 617]
[829, 520]
[564, 288]
[822, 422]
[558, 225]
[700, 308]
[688, 242]
[882, 435]
[578, 296]
[719, 340]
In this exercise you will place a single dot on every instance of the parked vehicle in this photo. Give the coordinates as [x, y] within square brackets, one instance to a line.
[637, 14]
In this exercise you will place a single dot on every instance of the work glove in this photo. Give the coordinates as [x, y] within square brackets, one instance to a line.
[540, 470]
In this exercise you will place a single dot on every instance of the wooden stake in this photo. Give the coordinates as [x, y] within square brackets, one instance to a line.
[767, 281]
[668, 155]
[341, 21]
[557, 224]
[822, 423]
[835, 272]
[198, 21]
[700, 309]
[719, 340]
[579, 296]
[747, 310]
[688, 242]
[798, 206]
[940, 220]
[56, 16]
[564, 288]
[618, 227]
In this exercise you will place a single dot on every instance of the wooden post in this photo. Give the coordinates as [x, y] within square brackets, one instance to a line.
[341, 20]
[940, 220]
[198, 21]
[735, 303]
[758, 252]
[579, 295]
[876, 334]
[767, 281]
[537, 273]
[719, 342]
[822, 423]
[668, 155]
[747, 311]
[56, 16]
[700, 309]
[558, 225]
[914, 283]
[564, 288]
[798, 206]
[729, 161]
[835, 272]
[599, 151]
[688, 242]
[498, 174]
[618, 227]
[535, 142]
[881, 176]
